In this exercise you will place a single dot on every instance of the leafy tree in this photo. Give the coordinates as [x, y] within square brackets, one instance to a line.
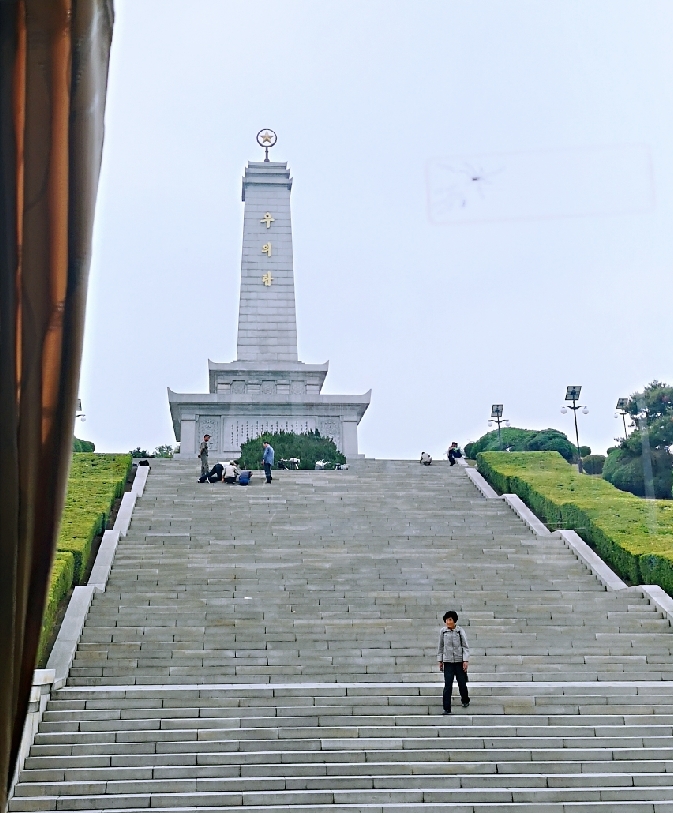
[83, 445]
[308, 446]
[651, 410]
[526, 440]
[593, 463]
[628, 472]
[138, 452]
[163, 451]
[642, 463]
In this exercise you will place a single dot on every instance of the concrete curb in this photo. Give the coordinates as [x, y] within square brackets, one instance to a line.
[125, 512]
[103, 564]
[140, 480]
[63, 652]
[607, 577]
[526, 515]
[481, 483]
[661, 600]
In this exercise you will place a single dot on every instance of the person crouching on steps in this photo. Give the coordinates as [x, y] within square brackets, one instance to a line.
[453, 655]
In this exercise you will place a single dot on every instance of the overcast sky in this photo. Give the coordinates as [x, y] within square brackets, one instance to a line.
[482, 207]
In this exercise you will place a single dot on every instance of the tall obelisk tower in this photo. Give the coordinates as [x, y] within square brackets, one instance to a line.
[267, 322]
[267, 389]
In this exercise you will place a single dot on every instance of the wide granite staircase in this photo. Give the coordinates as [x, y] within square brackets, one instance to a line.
[274, 647]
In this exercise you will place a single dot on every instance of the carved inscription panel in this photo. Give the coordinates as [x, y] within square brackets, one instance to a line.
[238, 431]
[330, 428]
[210, 426]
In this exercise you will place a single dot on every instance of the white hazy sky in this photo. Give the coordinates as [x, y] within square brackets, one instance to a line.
[559, 106]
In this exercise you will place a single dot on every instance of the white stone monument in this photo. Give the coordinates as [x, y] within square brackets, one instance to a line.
[267, 389]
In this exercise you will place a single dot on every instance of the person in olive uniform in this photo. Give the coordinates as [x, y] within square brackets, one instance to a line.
[203, 456]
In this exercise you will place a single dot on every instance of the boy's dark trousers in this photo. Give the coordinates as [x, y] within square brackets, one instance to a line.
[267, 471]
[451, 669]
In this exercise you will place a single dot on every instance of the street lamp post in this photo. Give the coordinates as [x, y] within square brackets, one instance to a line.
[496, 417]
[622, 409]
[573, 394]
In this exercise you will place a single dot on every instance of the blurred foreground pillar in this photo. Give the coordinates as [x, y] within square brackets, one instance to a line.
[54, 57]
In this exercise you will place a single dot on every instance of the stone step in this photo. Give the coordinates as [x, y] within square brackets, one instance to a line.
[428, 807]
[201, 782]
[312, 718]
[253, 716]
[275, 795]
[474, 774]
[302, 763]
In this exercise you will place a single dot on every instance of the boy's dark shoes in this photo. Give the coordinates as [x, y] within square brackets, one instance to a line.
[465, 705]
[446, 712]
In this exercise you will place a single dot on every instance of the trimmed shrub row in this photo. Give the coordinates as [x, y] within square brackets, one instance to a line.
[634, 536]
[94, 483]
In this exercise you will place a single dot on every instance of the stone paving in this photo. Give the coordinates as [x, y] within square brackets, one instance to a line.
[274, 647]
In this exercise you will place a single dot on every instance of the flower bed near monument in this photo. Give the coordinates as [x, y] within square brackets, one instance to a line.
[94, 483]
[634, 536]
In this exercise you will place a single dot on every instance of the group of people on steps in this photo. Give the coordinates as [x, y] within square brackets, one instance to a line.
[452, 453]
[229, 472]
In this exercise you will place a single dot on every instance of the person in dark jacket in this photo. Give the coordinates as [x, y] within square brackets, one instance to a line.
[453, 655]
[453, 452]
[214, 475]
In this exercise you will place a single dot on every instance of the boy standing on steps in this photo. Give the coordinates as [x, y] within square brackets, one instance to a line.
[453, 655]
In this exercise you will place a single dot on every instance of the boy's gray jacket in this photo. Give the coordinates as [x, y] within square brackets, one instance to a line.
[453, 646]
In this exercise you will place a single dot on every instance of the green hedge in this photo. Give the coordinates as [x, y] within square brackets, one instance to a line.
[634, 536]
[62, 577]
[94, 483]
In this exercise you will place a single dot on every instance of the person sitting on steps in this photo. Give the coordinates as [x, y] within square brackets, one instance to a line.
[453, 655]
[231, 472]
[453, 452]
[425, 460]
